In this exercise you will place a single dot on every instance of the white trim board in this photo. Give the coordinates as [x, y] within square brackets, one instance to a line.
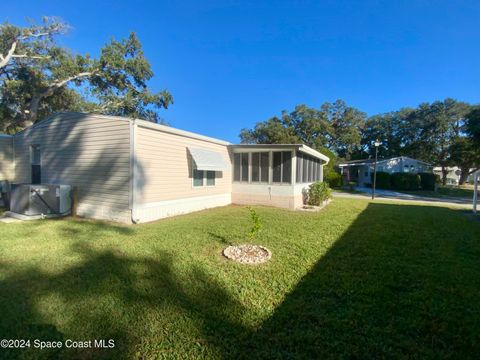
[163, 209]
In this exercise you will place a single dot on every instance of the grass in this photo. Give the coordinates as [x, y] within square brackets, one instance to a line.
[359, 279]
[452, 191]
[347, 190]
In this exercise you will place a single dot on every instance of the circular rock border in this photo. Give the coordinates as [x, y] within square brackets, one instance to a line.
[248, 254]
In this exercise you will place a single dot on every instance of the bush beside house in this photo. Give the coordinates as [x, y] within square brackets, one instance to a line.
[405, 181]
[383, 180]
[428, 180]
[333, 179]
[318, 192]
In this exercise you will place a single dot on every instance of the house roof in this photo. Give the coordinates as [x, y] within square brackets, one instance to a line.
[143, 123]
[300, 147]
[371, 161]
[168, 129]
[5, 136]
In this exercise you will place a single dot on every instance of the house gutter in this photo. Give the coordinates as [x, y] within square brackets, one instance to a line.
[133, 171]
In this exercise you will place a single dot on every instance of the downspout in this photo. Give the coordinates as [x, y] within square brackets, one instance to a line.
[133, 171]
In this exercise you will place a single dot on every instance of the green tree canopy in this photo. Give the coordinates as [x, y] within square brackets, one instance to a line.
[335, 126]
[39, 77]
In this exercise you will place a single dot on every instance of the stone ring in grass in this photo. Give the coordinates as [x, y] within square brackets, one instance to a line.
[248, 254]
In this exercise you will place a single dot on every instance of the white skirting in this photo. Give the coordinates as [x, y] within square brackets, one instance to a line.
[159, 210]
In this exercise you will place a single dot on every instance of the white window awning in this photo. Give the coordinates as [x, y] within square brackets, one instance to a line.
[208, 159]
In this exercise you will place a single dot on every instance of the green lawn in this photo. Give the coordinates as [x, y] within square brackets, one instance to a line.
[356, 280]
[465, 192]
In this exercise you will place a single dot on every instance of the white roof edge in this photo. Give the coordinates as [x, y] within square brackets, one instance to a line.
[303, 148]
[5, 136]
[171, 130]
[383, 160]
[317, 154]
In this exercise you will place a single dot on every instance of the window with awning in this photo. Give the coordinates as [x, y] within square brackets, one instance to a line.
[208, 160]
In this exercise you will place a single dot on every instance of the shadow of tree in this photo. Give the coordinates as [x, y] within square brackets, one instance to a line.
[390, 287]
[113, 296]
[383, 292]
[89, 152]
[220, 238]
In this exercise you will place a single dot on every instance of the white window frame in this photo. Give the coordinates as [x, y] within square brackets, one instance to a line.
[204, 179]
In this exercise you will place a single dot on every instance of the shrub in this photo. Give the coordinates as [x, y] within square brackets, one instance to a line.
[405, 181]
[333, 179]
[428, 180]
[383, 180]
[352, 185]
[318, 192]
[256, 224]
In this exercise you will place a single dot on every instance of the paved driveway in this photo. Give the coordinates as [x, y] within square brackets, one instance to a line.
[395, 195]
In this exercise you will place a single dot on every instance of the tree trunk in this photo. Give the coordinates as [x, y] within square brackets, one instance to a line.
[444, 175]
[465, 172]
[32, 114]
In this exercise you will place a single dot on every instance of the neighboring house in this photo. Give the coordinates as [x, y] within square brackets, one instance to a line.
[453, 175]
[360, 171]
[136, 171]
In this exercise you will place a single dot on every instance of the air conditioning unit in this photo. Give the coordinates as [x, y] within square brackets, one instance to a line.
[41, 200]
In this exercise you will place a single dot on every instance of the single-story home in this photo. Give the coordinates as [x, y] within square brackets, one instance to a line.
[131, 170]
[360, 171]
[453, 174]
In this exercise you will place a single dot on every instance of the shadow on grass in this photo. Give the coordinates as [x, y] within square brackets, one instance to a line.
[221, 239]
[402, 282]
[110, 296]
[397, 284]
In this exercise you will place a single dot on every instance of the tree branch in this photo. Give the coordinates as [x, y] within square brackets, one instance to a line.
[30, 56]
[49, 91]
[5, 59]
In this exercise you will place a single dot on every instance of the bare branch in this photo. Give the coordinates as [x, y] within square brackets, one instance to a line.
[30, 56]
[46, 31]
[49, 91]
[5, 59]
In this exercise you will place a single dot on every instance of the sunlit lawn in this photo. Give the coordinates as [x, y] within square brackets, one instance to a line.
[356, 280]
[465, 192]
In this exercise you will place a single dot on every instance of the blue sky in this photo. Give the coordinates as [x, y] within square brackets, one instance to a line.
[230, 64]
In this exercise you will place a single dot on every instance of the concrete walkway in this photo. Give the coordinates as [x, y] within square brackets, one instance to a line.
[366, 193]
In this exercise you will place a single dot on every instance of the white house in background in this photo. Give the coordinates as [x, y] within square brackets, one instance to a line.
[453, 175]
[360, 171]
[476, 177]
[131, 170]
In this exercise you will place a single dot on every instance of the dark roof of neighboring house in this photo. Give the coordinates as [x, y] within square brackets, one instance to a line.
[358, 162]
[371, 161]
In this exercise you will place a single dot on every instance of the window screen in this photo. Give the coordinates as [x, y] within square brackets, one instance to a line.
[286, 167]
[236, 167]
[305, 169]
[264, 166]
[197, 177]
[210, 178]
[299, 167]
[277, 167]
[255, 167]
[35, 154]
[245, 167]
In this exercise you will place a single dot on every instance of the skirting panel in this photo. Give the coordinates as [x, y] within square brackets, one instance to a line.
[104, 213]
[286, 202]
[163, 209]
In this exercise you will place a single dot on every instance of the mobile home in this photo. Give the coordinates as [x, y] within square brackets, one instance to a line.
[131, 170]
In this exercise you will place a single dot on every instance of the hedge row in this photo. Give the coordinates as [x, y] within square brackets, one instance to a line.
[405, 181]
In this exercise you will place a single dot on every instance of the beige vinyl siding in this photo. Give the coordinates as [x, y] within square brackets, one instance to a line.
[6, 158]
[91, 152]
[164, 167]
